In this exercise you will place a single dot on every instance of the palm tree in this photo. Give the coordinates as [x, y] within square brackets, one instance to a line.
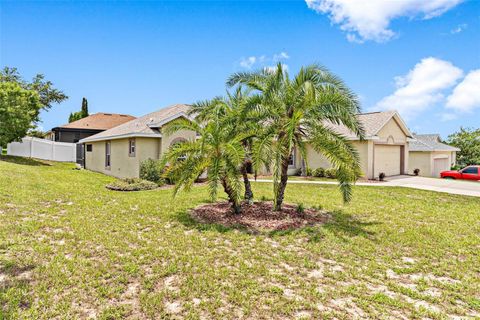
[218, 151]
[298, 112]
[232, 109]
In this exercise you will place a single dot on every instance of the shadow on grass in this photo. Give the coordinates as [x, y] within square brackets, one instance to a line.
[341, 225]
[14, 287]
[23, 161]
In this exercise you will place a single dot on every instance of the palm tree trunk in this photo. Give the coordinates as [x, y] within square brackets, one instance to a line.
[231, 197]
[248, 187]
[281, 185]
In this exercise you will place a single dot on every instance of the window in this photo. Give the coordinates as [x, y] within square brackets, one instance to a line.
[107, 154]
[131, 147]
[89, 147]
[291, 159]
[470, 170]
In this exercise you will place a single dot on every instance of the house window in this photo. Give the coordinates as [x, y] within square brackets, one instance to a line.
[89, 147]
[131, 147]
[291, 159]
[107, 154]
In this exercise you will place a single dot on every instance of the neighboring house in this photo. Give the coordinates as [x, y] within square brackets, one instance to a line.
[385, 148]
[74, 131]
[430, 155]
[120, 150]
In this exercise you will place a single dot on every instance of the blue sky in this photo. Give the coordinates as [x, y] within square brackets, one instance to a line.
[420, 57]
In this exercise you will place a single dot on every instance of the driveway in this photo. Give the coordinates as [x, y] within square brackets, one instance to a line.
[468, 188]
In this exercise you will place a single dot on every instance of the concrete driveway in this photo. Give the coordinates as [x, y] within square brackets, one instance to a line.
[468, 188]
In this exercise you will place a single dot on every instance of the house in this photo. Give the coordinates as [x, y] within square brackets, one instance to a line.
[384, 149]
[75, 131]
[430, 155]
[120, 150]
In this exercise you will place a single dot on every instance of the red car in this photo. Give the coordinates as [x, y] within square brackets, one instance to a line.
[468, 173]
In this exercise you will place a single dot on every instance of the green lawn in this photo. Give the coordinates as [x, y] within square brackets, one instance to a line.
[70, 248]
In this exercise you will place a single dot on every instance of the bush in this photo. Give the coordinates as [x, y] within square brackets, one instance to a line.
[131, 184]
[331, 173]
[151, 170]
[416, 171]
[319, 173]
[381, 176]
[309, 172]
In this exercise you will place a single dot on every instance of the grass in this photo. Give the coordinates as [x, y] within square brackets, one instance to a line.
[70, 248]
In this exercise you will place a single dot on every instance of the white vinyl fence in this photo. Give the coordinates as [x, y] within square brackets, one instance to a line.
[43, 149]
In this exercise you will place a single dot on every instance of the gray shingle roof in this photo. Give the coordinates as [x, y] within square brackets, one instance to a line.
[140, 126]
[429, 142]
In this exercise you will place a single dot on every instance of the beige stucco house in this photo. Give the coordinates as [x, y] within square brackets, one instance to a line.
[120, 150]
[385, 148]
[430, 155]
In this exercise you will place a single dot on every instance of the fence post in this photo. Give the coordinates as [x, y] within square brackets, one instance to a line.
[31, 147]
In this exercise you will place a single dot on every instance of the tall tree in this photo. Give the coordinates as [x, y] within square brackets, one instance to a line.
[19, 110]
[84, 107]
[468, 141]
[83, 113]
[22, 102]
[218, 151]
[296, 112]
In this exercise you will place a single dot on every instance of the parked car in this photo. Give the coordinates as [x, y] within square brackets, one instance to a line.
[467, 173]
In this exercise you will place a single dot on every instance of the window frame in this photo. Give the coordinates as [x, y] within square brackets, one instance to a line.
[132, 143]
[108, 155]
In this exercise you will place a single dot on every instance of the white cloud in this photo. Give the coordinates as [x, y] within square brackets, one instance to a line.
[466, 95]
[421, 87]
[280, 56]
[459, 28]
[444, 117]
[370, 20]
[250, 62]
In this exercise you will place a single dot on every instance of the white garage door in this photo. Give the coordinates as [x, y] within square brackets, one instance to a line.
[387, 160]
[440, 165]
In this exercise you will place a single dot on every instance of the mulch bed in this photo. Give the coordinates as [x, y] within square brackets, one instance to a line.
[259, 216]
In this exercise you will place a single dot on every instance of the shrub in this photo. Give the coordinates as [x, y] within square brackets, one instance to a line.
[331, 173]
[319, 173]
[131, 184]
[381, 176]
[309, 172]
[416, 171]
[151, 170]
[298, 172]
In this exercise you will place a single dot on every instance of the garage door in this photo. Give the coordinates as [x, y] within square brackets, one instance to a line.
[440, 165]
[387, 160]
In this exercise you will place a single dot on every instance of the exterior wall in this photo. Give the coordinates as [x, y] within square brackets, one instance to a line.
[166, 141]
[317, 160]
[121, 164]
[424, 161]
